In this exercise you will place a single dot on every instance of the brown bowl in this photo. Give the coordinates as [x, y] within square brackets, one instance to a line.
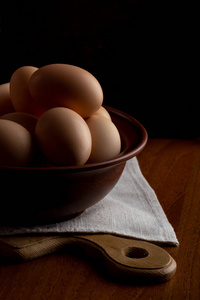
[48, 194]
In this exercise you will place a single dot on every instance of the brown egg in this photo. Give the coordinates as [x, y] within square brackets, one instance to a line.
[6, 105]
[19, 90]
[103, 112]
[66, 86]
[16, 144]
[106, 142]
[26, 120]
[64, 137]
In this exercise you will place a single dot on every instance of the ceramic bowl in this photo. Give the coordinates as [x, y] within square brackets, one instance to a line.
[48, 194]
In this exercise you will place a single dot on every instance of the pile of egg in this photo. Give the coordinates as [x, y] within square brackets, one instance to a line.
[54, 116]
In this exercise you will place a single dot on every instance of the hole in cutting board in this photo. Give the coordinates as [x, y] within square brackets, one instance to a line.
[134, 252]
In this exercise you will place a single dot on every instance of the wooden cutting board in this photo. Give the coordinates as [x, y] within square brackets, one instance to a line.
[123, 258]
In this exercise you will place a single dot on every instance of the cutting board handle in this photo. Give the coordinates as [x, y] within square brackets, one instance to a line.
[127, 259]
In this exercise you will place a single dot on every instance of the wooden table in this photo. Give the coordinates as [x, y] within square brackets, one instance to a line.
[172, 167]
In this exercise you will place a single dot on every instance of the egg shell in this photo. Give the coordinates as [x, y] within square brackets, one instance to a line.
[64, 137]
[16, 144]
[106, 142]
[26, 120]
[103, 112]
[66, 86]
[6, 105]
[19, 91]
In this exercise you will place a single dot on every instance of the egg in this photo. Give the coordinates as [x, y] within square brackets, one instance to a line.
[63, 85]
[19, 90]
[26, 120]
[16, 144]
[64, 137]
[6, 105]
[103, 112]
[106, 142]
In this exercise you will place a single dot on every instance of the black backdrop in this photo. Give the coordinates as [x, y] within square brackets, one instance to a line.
[143, 53]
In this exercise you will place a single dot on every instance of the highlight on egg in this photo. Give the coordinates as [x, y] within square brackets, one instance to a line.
[103, 112]
[64, 137]
[26, 120]
[106, 142]
[19, 90]
[6, 105]
[62, 85]
[16, 144]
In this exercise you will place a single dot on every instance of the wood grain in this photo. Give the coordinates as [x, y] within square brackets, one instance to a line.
[172, 167]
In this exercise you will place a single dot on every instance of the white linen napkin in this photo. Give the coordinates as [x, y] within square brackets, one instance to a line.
[131, 209]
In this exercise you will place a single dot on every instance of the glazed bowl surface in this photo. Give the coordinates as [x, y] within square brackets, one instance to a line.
[33, 195]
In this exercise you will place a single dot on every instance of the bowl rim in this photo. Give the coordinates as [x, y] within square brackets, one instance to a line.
[121, 158]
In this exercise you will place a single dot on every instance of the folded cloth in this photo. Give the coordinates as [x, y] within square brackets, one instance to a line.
[131, 209]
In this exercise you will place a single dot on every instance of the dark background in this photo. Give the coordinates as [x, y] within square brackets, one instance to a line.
[144, 53]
